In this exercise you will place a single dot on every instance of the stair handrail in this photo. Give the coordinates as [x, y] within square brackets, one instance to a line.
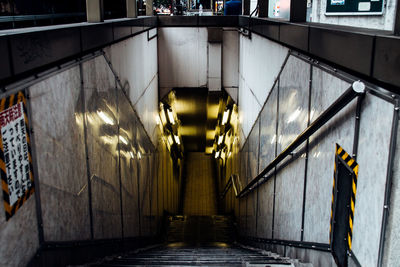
[355, 90]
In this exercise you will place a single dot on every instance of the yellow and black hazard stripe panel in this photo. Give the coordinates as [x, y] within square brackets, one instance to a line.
[11, 208]
[343, 204]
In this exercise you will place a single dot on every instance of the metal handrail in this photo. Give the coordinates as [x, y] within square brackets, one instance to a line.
[40, 17]
[355, 90]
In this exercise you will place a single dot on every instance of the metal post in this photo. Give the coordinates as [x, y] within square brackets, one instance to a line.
[389, 176]
[263, 8]
[94, 10]
[85, 134]
[131, 9]
[298, 10]
[307, 154]
[39, 215]
[246, 7]
[396, 26]
[149, 8]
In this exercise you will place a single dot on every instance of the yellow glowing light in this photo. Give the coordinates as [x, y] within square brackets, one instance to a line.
[163, 117]
[131, 153]
[225, 117]
[139, 155]
[171, 116]
[105, 117]
[170, 141]
[230, 154]
[177, 139]
[216, 154]
[220, 139]
[123, 140]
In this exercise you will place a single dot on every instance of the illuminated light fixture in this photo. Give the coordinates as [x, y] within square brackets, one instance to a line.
[177, 139]
[171, 116]
[294, 115]
[280, 139]
[163, 117]
[131, 153]
[139, 155]
[216, 154]
[273, 139]
[105, 117]
[230, 154]
[123, 140]
[225, 117]
[220, 139]
[170, 141]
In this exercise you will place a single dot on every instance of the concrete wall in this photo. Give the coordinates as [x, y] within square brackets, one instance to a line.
[185, 59]
[304, 91]
[128, 194]
[259, 63]
[380, 22]
[135, 63]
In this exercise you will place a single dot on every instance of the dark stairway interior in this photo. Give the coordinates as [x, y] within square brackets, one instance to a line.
[198, 241]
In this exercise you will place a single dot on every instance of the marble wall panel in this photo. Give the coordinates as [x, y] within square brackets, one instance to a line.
[128, 153]
[268, 130]
[144, 191]
[293, 101]
[265, 209]
[19, 235]
[102, 141]
[325, 90]
[373, 151]
[182, 58]
[293, 115]
[392, 243]
[252, 171]
[57, 117]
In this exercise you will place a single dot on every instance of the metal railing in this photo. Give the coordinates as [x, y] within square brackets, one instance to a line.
[354, 91]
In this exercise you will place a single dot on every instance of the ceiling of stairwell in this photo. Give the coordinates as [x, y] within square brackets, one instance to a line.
[197, 112]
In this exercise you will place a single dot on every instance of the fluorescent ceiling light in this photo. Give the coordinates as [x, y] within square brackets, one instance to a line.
[177, 139]
[220, 139]
[131, 153]
[225, 117]
[139, 155]
[171, 116]
[216, 154]
[105, 117]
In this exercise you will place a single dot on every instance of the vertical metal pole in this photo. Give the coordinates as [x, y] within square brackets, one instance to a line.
[258, 167]
[298, 10]
[119, 159]
[263, 6]
[396, 26]
[389, 176]
[276, 152]
[138, 195]
[307, 153]
[357, 126]
[85, 134]
[38, 202]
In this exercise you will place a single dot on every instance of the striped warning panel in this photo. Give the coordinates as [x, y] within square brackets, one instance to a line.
[345, 158]
[16, 169]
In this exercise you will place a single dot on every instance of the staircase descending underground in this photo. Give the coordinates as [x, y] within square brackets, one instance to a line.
[198, 241]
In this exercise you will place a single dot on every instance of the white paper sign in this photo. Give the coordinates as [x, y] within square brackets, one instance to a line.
[15, 148]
